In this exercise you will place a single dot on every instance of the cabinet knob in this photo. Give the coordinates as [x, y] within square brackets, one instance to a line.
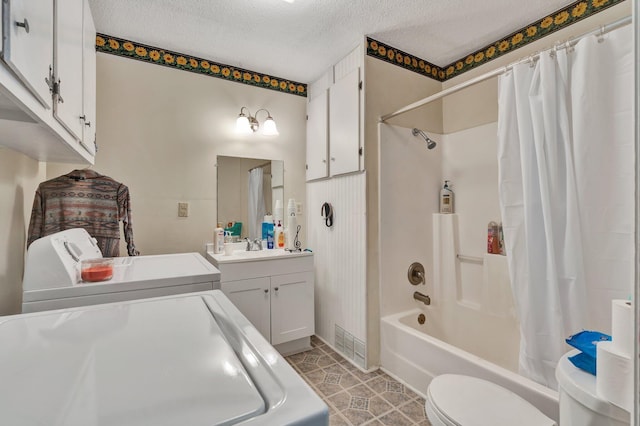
[24, 24]
[333, 158]
[266, 290]
[276, 289]
[324, 161]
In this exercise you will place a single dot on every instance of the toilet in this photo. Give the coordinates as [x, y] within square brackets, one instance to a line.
[457, 400]
[580, 404]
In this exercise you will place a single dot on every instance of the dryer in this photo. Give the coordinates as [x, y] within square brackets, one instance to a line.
[52, 275]
[189, 359]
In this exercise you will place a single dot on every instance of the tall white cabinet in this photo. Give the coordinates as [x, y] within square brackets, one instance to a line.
[47, 79]
[334, 121]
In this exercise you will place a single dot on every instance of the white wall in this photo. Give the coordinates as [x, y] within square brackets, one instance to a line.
[19, 178]
[160, 131]
[410, 182]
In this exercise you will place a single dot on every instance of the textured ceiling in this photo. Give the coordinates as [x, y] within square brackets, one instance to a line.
[300, 40]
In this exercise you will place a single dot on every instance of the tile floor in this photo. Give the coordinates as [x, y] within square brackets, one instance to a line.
[357, 398]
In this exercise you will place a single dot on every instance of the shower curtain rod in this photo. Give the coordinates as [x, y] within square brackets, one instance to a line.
[261, 166]
[479, 79]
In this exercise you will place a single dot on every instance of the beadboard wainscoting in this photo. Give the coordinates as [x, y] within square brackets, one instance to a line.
[340, 257]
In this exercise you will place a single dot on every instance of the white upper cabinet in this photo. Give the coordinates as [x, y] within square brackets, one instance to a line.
[89, 80]
[317, 136]
[27, 47]
[47, 80]
[68, 65]
[344, 124]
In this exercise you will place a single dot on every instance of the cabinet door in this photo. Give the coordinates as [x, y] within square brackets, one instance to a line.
[344, 124]
[68, 65]
[28, 43]
[317, 134]
[291, 307]
[251, 297]
[88, 80]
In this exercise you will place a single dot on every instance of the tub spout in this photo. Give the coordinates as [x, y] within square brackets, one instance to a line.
[422, 297]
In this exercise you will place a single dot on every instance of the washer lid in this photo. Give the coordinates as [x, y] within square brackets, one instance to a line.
[581, 386]
[466, 400]
[159, 362]
[137, 273]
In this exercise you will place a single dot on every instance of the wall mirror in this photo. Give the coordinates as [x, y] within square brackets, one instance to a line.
[247, 190]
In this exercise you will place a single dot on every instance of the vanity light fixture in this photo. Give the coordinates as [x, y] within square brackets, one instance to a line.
[247, 123]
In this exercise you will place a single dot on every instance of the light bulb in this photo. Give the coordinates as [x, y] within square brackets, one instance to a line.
[242, 124]
[269, 127]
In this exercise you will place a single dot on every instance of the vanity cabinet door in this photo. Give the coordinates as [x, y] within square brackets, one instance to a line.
[291, 307]
[251, 297]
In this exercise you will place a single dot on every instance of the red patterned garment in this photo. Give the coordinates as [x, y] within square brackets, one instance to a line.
[84, 199]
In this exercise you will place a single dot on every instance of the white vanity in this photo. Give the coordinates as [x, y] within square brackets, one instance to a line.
[274, 290]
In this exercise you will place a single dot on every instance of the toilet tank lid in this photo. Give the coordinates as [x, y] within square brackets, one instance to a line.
[581, 386]
[465, 400]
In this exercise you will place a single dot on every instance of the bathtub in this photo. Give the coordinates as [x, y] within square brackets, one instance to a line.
[409, 352]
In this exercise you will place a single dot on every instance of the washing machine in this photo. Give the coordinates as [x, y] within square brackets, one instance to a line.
[52, 277]
[190, 359]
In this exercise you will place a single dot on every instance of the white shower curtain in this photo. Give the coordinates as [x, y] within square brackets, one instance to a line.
[566, 183]
[256, 203]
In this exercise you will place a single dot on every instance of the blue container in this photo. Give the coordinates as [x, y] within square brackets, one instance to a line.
[267, 233]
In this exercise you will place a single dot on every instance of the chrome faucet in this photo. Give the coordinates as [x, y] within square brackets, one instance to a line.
[422, 297]
[254, 245]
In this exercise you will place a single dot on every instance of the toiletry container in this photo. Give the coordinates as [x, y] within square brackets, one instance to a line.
[279, 235]
[218, 239]
[493, 238]
[270, 236]
[446, 198]
[277, 212]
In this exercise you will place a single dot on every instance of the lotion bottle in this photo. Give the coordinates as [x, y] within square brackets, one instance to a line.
[279, 235]
[446, 198]
[218, 239]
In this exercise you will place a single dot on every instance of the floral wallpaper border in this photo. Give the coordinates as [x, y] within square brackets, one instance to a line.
[168, 58]
[562, 18]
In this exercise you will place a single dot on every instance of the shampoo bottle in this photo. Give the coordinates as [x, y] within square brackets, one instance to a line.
[446, 198]
[218, 239]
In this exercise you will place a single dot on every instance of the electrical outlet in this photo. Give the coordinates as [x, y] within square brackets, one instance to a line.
[183, 209]
[298, 208]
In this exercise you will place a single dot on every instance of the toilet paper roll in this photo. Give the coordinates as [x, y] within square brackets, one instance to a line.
[622, 327]
[614, 376]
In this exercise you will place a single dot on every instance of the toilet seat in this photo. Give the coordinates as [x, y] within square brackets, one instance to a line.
[456, 400]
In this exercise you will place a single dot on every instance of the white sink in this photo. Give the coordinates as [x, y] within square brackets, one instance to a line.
[256, 255]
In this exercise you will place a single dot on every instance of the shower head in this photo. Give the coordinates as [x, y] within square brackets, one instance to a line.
[430, 142]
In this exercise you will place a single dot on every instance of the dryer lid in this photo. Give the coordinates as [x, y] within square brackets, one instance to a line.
[161, 362]
[466, 400]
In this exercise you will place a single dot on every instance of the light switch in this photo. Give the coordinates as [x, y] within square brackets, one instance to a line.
[183, 209]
